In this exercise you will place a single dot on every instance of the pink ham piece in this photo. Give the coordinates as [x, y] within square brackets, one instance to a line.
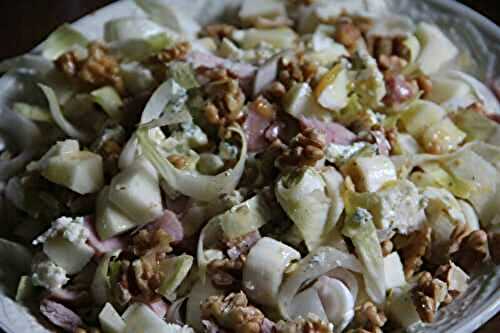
[60, 316]
[334, 132]
[255, 126]
[239, 69]
[398, 90]
[68, 296]
[101, 247]
[159, 307]
[170, 224]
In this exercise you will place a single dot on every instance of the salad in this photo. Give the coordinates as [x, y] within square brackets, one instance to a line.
[297, 166]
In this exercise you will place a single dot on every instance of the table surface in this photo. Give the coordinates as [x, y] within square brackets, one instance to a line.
[25, 23]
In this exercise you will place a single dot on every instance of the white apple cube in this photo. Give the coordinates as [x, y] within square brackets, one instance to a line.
[136, 192]
[252, 9]
[72, 257]
[371, 173]
[394, 273]
[110, 221]
[81, 172]
[110, 320]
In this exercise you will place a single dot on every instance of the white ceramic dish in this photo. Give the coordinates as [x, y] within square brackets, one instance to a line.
[471, 31]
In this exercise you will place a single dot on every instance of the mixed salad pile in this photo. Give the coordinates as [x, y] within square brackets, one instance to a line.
[302, 166]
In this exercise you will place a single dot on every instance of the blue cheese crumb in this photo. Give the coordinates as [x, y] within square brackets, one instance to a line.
[48, 275]
[71, 229]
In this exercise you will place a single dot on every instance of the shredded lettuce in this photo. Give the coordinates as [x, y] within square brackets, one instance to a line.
[59, 118]
[191, 183]
[62, 40]
[360, 228]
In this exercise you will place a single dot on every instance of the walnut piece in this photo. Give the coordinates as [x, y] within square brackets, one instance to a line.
[414, 248]
[306, 148]
[233, 312]
[218, 30]
[225, 99]
[494, 243]
[468, 249]
[295, 69]
[99, 69]
[427, 295]
[346, 32]
[311, 324]
[368, 317]
[226, 273]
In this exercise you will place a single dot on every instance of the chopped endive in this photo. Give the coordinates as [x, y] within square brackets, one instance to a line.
[360, 228]
[140, 318]
[413, 47]
[175, 18]
[400, 307]
[435, 175]
[110, 101]
[174, 270]
[300, 101]
[183, 74]
[302, 194]
[477, 126]
[110, 320]
[59, 118]
[128, 28]
[263, 272]
[63, 39]
[190, 183]
[331, 92]
[281, 38]
[33, 112]
[245, 217]
[316, 264]
[437, 49]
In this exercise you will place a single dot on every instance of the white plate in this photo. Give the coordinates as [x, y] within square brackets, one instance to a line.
[472, 32]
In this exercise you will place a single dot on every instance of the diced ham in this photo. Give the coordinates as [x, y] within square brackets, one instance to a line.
[239, 69]
[383, 145]
[267, 326]
[178, 205]
[398, 90]
[170, 224]
[60, 316]
[334, 132]
[255, 126]
[101, 247]
[159, 307]
[68, 296]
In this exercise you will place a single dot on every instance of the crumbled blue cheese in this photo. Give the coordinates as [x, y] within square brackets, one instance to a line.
[71, 229]
[362, 216]
[48, 275]
[228, 151]
[340, 153]
[369, 81]
[194, 135]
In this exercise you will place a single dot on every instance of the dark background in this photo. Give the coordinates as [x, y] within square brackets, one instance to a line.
[25, 23]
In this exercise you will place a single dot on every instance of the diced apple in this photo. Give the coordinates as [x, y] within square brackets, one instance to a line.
[442, 137]
[81, 172]
[394, 274]
[252, 9]
[110, 320]
[70, 256]
[422, 115]
[140, 318]
[136, 192]
[110, 221]
[282, 38]
[371, 173]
